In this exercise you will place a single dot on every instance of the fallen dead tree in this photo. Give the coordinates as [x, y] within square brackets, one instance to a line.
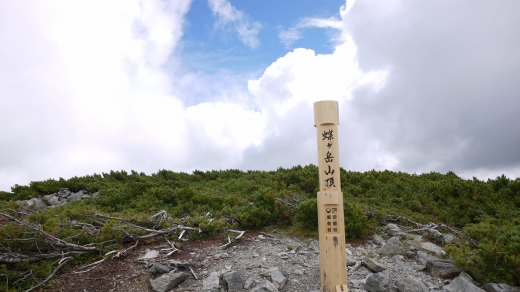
[34, 244]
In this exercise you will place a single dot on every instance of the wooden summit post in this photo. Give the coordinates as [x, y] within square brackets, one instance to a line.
[333, 263]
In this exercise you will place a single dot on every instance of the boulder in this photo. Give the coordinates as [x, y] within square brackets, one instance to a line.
[232, 281]
[463, 283]
[443, 269]
[410, 284]
[167, 281]
[501, 287]
[392, 247]
[378, 282]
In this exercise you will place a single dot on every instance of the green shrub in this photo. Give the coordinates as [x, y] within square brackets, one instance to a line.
[307, 214]
[497, 256]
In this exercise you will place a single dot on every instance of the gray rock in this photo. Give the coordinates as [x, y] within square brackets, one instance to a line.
[350, 260]
[277, 277]
[168, 281]
[50, 200]
[232, 281]
[373, 265]
[73, 197]
[223, 255]
[378, 282]
[250, 281]
[36, 202]
[265, 286]
[399, 262]
[443, 269]
[434, 234]
[501, 287]
[377, 239]
[447, 238]
[392, 229]
[212, 282]
[313, 245]
[422, 258]
[463, 283]
[392, 247]
[157, 269]
[410, 284]
[433, 248]
[357, 284]
[150, 254]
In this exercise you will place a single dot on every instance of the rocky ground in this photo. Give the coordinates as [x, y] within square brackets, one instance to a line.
[393, 260]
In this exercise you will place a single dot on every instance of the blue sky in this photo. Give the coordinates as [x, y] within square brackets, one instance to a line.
[90, 86]
[208, 47]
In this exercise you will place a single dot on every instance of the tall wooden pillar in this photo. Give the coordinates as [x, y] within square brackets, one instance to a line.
[333, 262]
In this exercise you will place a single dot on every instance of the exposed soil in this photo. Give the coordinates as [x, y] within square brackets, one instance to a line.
[251, 255]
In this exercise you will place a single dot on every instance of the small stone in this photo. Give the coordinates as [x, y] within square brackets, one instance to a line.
[373, 265]
[157, 269]
[168, 281]
[150, 254]
[223, 255]
[378, 240]
[350, 261]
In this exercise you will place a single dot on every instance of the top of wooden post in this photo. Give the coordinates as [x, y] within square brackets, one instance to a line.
[326, 112]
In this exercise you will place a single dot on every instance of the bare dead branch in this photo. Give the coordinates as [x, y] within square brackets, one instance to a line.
[240, 234]
[61, 263]
[49, 238]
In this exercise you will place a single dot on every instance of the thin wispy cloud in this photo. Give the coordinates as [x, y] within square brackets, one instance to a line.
[289, 36]
[228, 16]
